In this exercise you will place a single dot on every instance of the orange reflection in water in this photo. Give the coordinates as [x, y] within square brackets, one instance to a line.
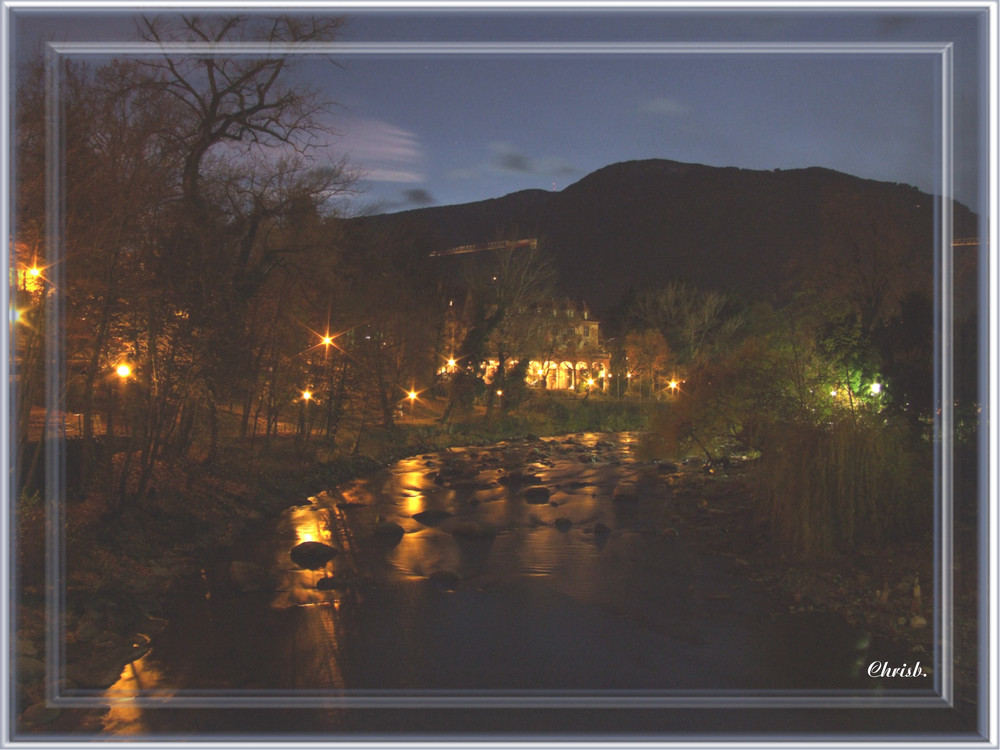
[124, 715]
[310, 524]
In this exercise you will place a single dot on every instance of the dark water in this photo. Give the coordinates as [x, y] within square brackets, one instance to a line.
[496, 615]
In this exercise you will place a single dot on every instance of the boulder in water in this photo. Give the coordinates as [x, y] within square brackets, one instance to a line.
[469, 529]
[519, 478]
[431, 517]
[537, 495]
[626, 492]
[389, 532]
[312, 555]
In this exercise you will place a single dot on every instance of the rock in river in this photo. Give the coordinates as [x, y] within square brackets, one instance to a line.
[469, 529]
[389, 532]
[312, 555]
[519, 478]
[626, 492]
[431, 517]
[537, 495]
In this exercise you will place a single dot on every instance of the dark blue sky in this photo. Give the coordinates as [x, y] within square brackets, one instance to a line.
[433, 129]
[429, 128]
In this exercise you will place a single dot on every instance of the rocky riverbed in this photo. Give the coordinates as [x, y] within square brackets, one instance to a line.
[614, 570]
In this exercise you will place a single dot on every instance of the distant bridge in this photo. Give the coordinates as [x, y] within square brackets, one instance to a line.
[531, 244]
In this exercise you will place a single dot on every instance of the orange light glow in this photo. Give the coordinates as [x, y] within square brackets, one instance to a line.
[123, 370]
[306, 395]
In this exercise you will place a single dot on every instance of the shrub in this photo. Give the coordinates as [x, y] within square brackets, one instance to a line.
[824, 488]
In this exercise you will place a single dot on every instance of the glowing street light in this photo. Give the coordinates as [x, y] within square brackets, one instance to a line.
[451, 362]
[876, 388]
[123, 370]
[306, 395]
[327, 340]
[673, 385]
[412, 395]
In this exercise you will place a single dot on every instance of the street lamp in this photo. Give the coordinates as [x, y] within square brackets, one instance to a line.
[304, 414]
[124, 371]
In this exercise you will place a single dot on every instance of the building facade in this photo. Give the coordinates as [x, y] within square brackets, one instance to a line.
[560, 340]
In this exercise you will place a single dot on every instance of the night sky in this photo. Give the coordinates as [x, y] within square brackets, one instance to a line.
[427, 128]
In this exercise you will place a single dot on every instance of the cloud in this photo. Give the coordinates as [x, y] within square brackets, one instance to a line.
[418, 197]
[508, 159]
[664, 106]
[379, 174]
[382, 152]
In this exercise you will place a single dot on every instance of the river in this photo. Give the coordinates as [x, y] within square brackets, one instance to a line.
[546, 586]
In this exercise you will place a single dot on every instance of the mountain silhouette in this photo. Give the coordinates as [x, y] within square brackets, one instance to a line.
[641, 224]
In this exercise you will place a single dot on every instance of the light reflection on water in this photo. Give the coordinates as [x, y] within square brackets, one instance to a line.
[496, 595]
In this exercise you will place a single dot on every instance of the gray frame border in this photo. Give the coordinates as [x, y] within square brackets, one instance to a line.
[944, 593]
